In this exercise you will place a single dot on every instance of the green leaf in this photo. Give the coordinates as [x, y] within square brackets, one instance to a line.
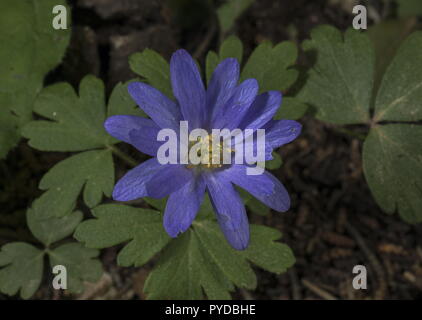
[80, 263]
[271, 66]
[78, 125]
[211, 63]
[154, 69]
[51, 230]
[159, 204]
[120, 102]
[232, 47]
[180, 271]
[22, 267]
[400, 94]
[202, 259]
[275, 163]
[33, 48]
[340, 87]
[231, 10]
[77, 122]
[291, 108]
[266, 252]
[387, 37]
[64, 182]
[115, 224]
[253, 204]
[392, 159]
[409, 8]
[9, 132]
[340, 84]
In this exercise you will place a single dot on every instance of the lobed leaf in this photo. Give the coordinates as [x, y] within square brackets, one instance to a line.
[291, 108]
[200, 260]
[154, 69]
[51, 230]
[115, 224]
[340, 84]
[33, 49]
[400, 94]
[392, 160]
[92, 171]
[81, 264]
[232, 47]
[77, 122]
[22, 267]
[271, 66]
[9, 132]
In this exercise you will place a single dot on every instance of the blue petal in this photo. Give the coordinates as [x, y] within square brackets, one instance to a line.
[234, 109]
[281, 132]
[231, 213]
[265, 187]
[168, 179]
[262, 110]
[120, 126]
[222, 85]
[161, 109]
[133, 184]
[188, 88]
[254, 141]
[182, 206]
[145, 138]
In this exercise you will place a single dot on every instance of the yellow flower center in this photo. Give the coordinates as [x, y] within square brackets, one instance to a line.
[210, 150]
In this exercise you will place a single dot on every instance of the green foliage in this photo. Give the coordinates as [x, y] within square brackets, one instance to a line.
[387, 37]
[340, 88]
[232, 47]
[22, 269]
[33, 49]
[275, 163]
[152, 67]
[392, 158]
[409, 8]
[271, 66]
[115, 224]
[291, 108]
[253, 204]
[9, 131]
[198, 259]
[230, 11]
[80, 262]
[340, 83]
[76, 124]
[22, 264]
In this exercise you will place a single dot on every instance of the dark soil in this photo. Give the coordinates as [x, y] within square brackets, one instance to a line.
[334, 223]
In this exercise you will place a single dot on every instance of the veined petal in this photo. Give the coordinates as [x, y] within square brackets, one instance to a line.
[133, 184]
[162, 110]
[120, 126]
[232, 113]
[145, 139]
[262, 110]
[280, 132]
[170, 178]
[222, 85]
[265, 187]
[182, 206]
[188, 88]
[230, 210]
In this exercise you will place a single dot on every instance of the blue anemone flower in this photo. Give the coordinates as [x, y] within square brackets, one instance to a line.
[225, 104]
